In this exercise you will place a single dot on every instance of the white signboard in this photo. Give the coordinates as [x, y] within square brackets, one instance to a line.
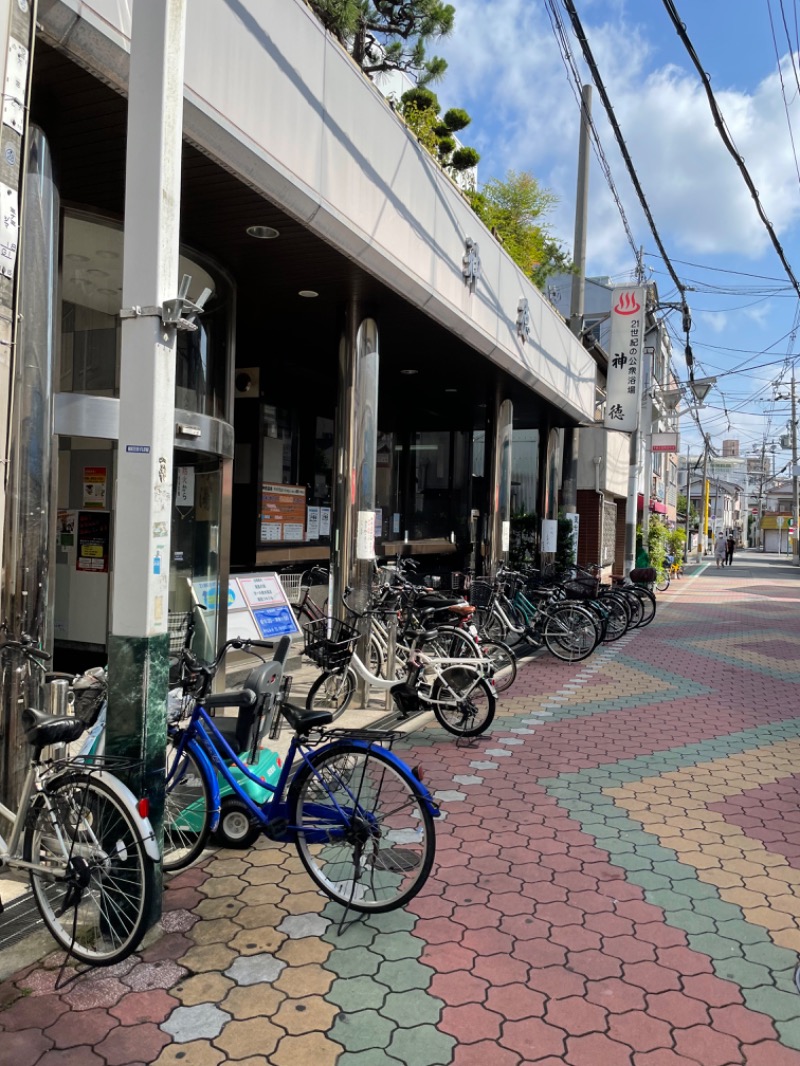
[184, 486]
[324, 521]
[365, 535]
[312, 523]
[505, 537]
[623, 384]
[549, 534]
[262, 590]
[665, 442]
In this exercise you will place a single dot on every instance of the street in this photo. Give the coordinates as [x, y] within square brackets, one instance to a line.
[617, 883]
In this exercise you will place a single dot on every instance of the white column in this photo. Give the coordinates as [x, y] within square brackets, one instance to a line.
[138, 644]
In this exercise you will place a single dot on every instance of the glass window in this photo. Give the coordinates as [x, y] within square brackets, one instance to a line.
[91, 285]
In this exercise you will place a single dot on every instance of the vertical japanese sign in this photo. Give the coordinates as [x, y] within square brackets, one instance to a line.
[623, 387]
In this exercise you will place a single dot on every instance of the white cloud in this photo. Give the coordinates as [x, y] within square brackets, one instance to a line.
[505, 68]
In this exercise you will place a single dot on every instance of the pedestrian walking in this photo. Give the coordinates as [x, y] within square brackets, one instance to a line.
[720, 550]
[730, 544]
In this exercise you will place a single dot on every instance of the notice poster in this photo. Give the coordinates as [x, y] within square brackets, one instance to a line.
[94, 541]
[549, 535]
[324, 521]
[65, 528]
[312, 529]
[283, 512]
[95, 479]
[365, 535]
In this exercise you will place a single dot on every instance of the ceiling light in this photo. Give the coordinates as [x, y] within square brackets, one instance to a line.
[451, 390]
[409, 372]
[263, 233]
[106, 253]
[309, 294]
[73, 257]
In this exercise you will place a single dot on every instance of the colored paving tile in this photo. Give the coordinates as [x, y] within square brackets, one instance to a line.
[617, 881]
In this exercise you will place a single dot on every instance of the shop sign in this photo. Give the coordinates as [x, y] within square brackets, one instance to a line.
[665, 442]
[283, 512]
[623, 382]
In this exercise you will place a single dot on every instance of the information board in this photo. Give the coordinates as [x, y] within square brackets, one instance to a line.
[266, 604]
[283, 512]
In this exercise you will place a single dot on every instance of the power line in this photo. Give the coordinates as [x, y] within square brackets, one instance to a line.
[568, 60]
[727, 140]
[598, 81]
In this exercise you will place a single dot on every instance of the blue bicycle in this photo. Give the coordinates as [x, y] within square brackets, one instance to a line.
[361, 820]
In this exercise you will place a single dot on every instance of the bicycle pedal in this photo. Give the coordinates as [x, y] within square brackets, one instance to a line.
[276, 828]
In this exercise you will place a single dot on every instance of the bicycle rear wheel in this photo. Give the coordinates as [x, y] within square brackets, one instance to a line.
[332, 692]
[504, 663]
[99, 900]
[662, 581]
[462, 705]
[187, 809]
[365, 834]
[570, 632]
[648, 602]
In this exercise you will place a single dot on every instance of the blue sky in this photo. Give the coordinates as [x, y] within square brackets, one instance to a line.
[506, 70]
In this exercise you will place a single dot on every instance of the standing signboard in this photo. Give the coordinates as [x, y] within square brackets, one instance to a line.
[624, 381]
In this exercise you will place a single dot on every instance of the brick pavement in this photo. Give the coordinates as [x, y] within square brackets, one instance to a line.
[617, 882]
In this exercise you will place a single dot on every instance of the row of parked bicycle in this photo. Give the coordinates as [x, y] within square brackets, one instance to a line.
[454, 653]
[360, 818]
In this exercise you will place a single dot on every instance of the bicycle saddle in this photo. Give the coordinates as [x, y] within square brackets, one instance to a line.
[435, 602]
[303, 721]
[42, 729]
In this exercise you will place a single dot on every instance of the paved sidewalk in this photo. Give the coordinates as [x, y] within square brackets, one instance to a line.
[617, 884]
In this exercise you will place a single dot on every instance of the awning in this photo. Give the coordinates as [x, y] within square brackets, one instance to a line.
[655, 506]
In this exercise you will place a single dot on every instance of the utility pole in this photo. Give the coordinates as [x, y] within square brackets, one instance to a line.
[569, 491]
[688, 507]
[648, 384]
[706, 499]
[795, 507]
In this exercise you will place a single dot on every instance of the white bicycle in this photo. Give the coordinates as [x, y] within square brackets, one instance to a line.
[81, 837]
[459, 691]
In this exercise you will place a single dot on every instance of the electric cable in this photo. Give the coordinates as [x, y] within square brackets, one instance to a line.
[601, 89]
[727, 140]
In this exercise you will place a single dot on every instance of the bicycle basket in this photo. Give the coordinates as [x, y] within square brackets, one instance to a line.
[580, 588]
[178, 623]
[291, 586]
[329, 642]
[480, 592]
[643, 575]
[89, 694]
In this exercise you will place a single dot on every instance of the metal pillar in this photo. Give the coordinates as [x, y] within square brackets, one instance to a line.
[631, 507]
[26, 600]
[138, 644]
[356, 432]
[500, 486]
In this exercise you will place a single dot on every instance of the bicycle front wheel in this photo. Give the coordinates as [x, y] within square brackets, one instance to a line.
[365, 834]
[332, 692]
[463, 704]
[96, 897]
[504, 663]
[187, 809]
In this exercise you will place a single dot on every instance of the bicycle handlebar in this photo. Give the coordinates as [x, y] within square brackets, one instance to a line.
[25, 645]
